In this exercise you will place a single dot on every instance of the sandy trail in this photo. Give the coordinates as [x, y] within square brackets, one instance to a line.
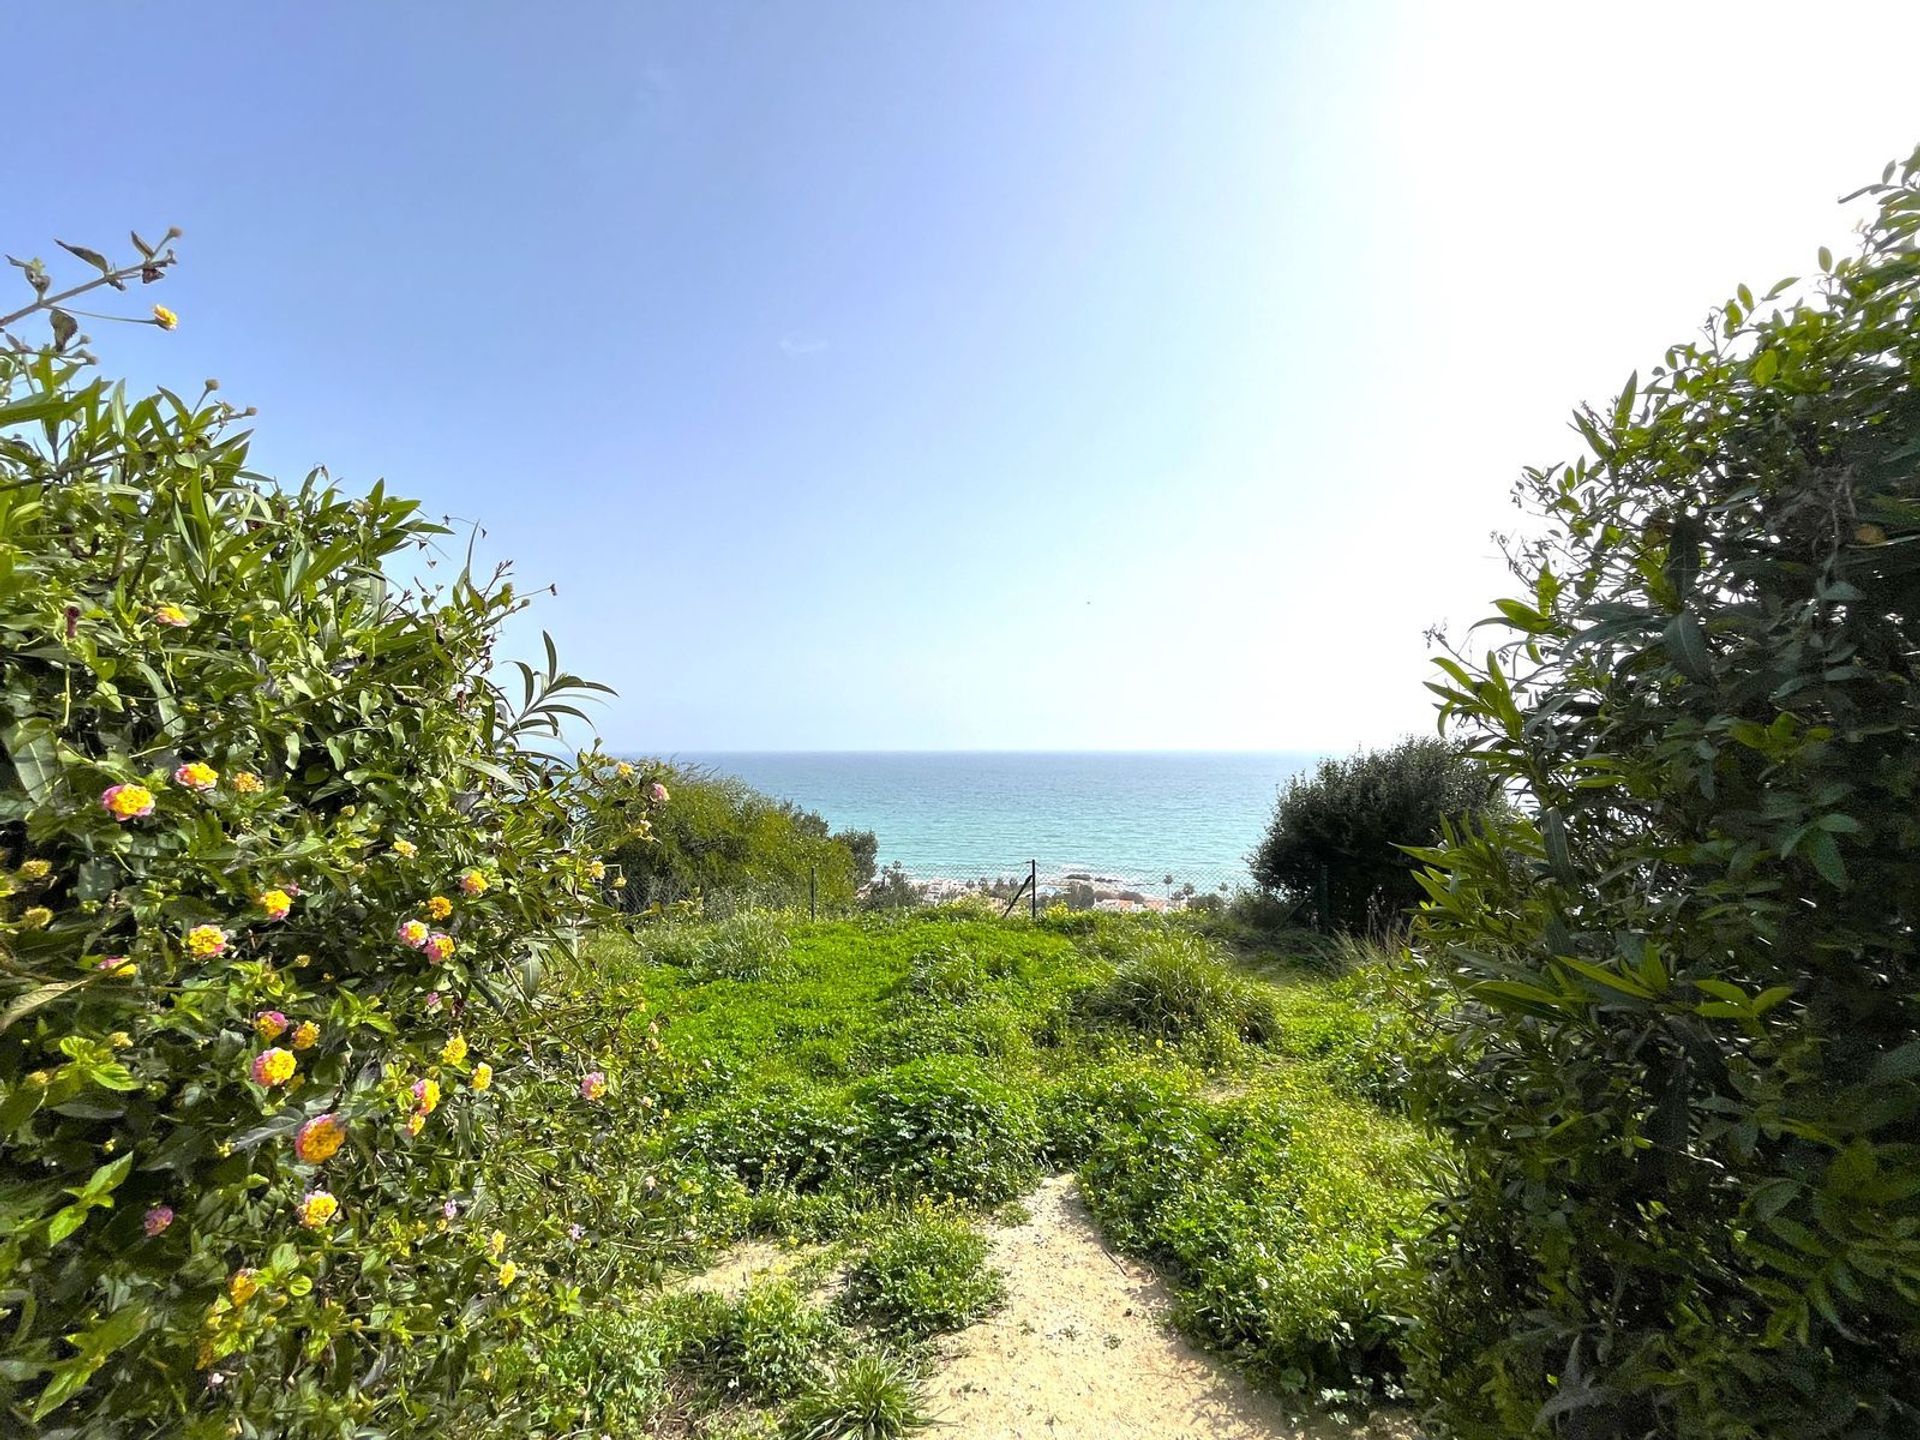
[1083, 1350]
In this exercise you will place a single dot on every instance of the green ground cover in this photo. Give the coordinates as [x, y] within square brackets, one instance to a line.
[878, 1085]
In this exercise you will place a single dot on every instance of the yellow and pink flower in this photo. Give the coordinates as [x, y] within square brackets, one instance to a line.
[127, 802]
[206, 941]
[473, 883]
[157, 1219]
[306, 1035]
[270, 1025]
[660, 796]
[196, 775]
[320, 1138]
[170, 614]
[426, 1096]
[439, 946]
[593, 1085]
[316, 1209]
[414, 934]
[273, 1066]
[277, 903]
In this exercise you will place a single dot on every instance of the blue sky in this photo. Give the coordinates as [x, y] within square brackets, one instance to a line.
[1078, 375]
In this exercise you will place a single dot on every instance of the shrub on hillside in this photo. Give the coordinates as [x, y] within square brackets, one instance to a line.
[724, 844]
[1333, 847]
[274, 852]
[1681, 999]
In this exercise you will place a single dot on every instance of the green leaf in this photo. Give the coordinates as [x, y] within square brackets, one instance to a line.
[65, 327]
[92, 257]
[1825, 854]
[1765, 366]
[1687, 644]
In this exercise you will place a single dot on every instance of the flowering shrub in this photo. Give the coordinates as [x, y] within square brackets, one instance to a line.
[280, 870]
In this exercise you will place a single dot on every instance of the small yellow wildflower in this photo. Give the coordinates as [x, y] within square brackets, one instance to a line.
[245, 782]
[405, 849]
[597, 870]
[509, 1273]
[120, 1039]
[243, 1286]
[623, 771]
[34, 870]
[36, 917]
[439, 908]
[454, 1052]
[497, 1244]
[306, 1035]
[482, 1076]
[164, 318]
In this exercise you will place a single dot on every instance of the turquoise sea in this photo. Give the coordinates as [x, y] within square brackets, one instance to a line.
[1134, 816]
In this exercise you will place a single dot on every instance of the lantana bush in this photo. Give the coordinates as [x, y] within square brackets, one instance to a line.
[282, 871]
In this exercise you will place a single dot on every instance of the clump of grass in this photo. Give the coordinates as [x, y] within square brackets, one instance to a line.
[868, 1397]
[1177, 987]
[748, 945]
[762, 1344]
[944, 1128]
[923, 1277]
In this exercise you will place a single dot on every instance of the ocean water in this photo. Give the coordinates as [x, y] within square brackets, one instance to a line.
[1133, 816]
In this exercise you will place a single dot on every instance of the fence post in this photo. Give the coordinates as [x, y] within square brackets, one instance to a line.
[813, 892]
[1033, 889]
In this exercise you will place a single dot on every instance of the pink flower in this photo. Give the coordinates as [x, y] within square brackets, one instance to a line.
[439, 945]
[127, 802]
[196, 775]
[413, 934]
[270, 1025]
[451, 1209]
[157, 1219]
[593, 1085]
[433, 1000]
[659, 793]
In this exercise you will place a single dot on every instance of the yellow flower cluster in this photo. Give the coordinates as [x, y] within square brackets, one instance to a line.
[454, 1052]
[245, 782]
[316, 1209]
[405, 849]
[439, 908]
[306, 1035]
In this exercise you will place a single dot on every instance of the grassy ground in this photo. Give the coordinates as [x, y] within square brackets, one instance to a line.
[877, 1086]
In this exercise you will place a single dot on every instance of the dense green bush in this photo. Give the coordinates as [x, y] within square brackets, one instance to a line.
[1682, 1065]
[1282, 1214]
[279, 866]
[945, 1128]
[724, 844]
[924, 1276]
[1333, 845]
[1177, 987]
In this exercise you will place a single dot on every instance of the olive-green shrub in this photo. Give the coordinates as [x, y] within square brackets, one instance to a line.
[1680, 999]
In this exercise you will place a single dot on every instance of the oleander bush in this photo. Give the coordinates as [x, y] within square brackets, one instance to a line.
[283, 872]
[1680, 1061]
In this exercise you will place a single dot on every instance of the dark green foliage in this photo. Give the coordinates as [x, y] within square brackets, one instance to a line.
[1682, 1038]
[763, 1343]
[721, 841]
[923, 1277]
[894, 890]
[1332, 848]
[869, 1397]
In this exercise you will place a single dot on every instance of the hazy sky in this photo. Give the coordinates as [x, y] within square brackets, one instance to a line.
[952, 375]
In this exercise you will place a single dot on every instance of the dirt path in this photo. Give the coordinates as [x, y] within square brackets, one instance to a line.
[1082, 1350]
